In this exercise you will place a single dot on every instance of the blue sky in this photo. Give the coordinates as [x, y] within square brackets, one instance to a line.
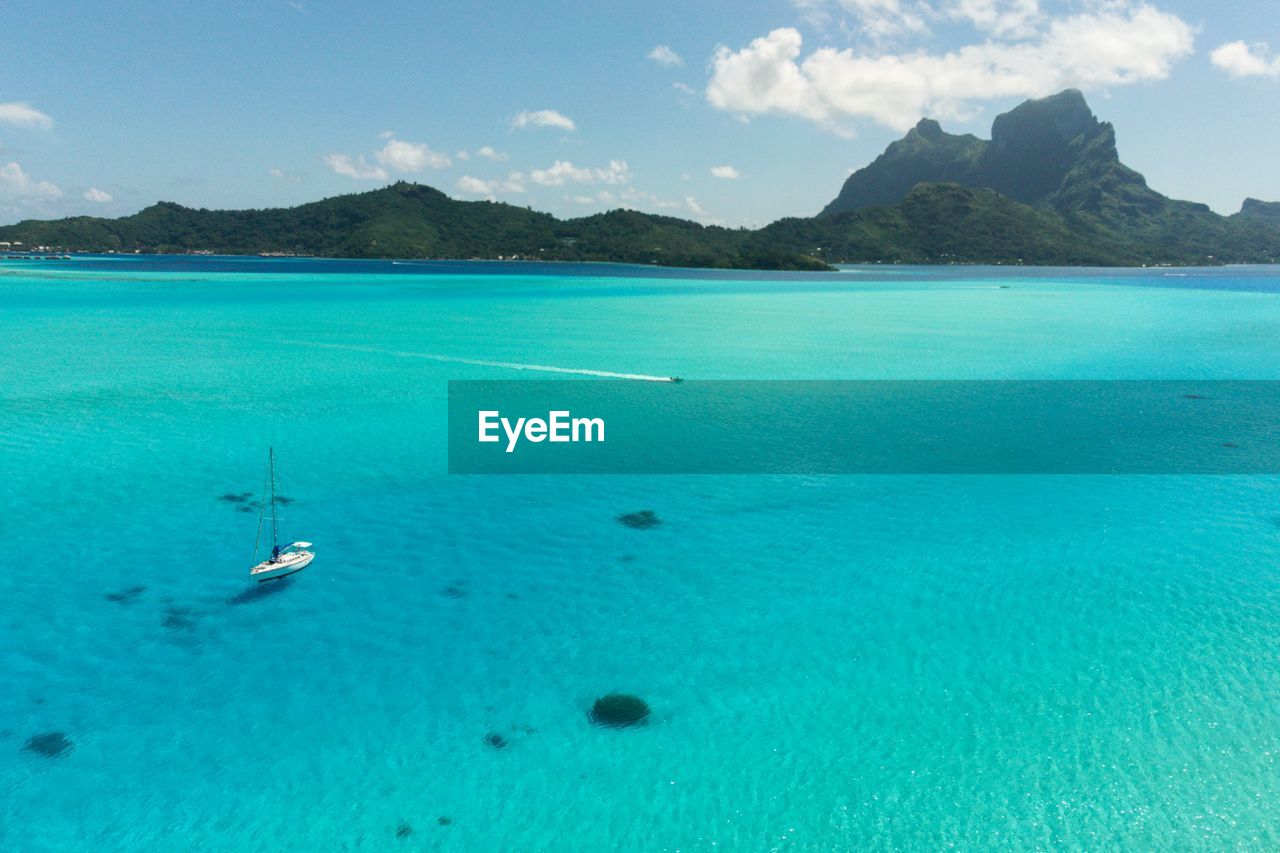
[737, 113]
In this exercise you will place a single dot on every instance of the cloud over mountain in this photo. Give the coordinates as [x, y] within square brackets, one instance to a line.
[1115, 44]
[411, 156]
[343, 164]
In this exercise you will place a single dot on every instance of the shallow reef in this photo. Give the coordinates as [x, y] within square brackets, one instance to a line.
[49, 744]
[495, 740]
[235, 498]
[453, 591]
[404, 830]
[179, 619]
[618, 710]
[642, 520]
[125, 596]
[444, 820]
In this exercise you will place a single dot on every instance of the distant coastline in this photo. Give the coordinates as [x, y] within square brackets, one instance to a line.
[1047, 190]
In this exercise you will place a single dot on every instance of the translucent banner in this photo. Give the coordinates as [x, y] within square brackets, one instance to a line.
[864, 427]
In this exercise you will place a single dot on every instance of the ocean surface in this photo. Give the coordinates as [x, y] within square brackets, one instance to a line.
[832, 663]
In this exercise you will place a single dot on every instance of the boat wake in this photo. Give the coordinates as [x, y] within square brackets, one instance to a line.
[508, 365]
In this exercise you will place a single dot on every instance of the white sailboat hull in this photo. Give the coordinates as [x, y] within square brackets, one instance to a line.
[282, 566]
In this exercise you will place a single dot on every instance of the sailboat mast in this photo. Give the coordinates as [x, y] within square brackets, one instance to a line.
[275, 531]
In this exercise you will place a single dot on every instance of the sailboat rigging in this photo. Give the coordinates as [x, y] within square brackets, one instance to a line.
[283, 561]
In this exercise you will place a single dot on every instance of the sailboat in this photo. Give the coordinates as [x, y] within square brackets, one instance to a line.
[283, 561]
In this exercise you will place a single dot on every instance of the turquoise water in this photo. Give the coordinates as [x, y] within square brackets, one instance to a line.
[832, 662]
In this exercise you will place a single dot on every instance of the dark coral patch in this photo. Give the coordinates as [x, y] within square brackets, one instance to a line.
[235, 498]
[179, 619]
[283, 501]
[50, 744]
[1195, 397]
[444, 820]
[1229, 444]
[404, 830]
[125, 596]
[495, 740]
[452, 591]
[642, 520]
[618, 710]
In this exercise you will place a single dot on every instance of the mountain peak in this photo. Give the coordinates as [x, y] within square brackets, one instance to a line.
[1033, 149]
[1262, 211]
[928, 128]
[1056, 119]
[1038, 143]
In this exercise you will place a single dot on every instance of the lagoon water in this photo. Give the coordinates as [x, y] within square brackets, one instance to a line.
[832, 663]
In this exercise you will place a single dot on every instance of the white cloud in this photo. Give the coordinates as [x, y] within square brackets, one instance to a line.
[97, 195]
[664, 55]
[1002, 17]
[489, 153]
[881, 18]
[558, 173]
[462, 155]
[1119, 45]
[514, 183]
[562, 172]
[342, 164]
[814, 12]
[727, 172]
[764, 77]
[411, 156]
[632, 198]
[1243, 60]
[468, 184]
[543, 118]
[15, 183]
[683, 88]
[617, 173]
[22, 114]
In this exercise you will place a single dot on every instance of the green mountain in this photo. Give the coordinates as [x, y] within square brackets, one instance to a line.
[1054, 155]
[1264, 212]
[412, 221]
[1047, 188]
[949, 223]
